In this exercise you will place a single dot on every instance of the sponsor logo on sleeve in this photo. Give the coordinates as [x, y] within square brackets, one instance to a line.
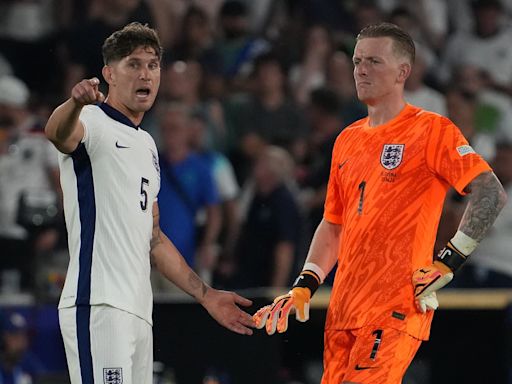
[464, 150]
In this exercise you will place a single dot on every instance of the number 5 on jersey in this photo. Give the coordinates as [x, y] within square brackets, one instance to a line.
[144, 183]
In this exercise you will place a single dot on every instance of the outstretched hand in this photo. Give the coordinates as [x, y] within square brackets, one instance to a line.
[223, 307]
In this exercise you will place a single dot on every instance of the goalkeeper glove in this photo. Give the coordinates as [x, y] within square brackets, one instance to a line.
[275, 315]
[427, 280]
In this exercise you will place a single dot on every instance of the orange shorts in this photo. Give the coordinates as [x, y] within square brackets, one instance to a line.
[368, 355]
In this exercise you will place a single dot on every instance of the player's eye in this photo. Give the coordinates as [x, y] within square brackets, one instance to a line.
[154, 66]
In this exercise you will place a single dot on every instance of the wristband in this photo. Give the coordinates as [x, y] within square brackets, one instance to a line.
[465, 244]
[307, 279]
[315, 268]
[451, 257]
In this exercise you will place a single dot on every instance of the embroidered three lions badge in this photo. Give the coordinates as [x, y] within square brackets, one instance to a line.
[392, 155]
[112, 375]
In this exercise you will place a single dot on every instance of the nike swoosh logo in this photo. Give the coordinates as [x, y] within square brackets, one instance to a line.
[119, 145]
[342, 164]
[359, 368]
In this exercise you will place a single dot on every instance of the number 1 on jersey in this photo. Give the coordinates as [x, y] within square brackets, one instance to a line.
[361, 197]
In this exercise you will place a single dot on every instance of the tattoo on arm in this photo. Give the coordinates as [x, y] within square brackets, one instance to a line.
[196, 283]
[486, 200]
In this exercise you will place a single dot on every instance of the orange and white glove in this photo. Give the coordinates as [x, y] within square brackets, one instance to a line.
[427, 280]
[275, 315]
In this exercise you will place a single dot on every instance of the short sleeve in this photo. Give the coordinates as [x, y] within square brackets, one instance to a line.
[333, 208]
[93, 133]
[451, 158]
[51, 155]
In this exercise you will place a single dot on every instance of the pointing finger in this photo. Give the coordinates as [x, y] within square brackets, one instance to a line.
[94, 81]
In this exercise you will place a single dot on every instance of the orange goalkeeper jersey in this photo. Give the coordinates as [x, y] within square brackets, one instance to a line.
[386, 188]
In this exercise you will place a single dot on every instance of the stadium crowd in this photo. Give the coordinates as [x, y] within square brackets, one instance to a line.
[253, 95]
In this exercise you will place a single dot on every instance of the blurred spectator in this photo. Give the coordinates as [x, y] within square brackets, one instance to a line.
[29, 29]
[366, 12]
[488, 46]
[17, 365]
[420, 94]
[340, 79]
[462, 109]
[310, 72]
[28, 183]
[196, 38]
[326, 124]
[85, 40]
[227, 187]
[269, 240]
[494, 109]
[237, 47]
[406, 19]
[490, 266]
[425, 20]
[182, 83]
[269, 115]
[187, 186]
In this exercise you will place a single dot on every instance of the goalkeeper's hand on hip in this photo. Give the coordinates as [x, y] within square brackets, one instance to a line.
[427, 280]
[275, 315]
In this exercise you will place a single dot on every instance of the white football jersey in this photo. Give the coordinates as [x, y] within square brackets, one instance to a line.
[110, 183]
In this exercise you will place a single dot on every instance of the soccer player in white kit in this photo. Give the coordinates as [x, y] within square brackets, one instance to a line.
[110, 178]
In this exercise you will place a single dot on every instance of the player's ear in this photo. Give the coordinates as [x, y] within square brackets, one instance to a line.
[404, 72]
[108, 74]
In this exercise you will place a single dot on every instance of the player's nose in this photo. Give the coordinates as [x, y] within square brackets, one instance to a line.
[144, 73]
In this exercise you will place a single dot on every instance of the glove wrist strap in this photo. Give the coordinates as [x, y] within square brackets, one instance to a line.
[451, 257]
[308, 279]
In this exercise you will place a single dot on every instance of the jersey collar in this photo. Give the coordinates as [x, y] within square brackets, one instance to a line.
[116, 115]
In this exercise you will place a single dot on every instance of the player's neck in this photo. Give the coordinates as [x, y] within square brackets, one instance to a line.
[381, 112]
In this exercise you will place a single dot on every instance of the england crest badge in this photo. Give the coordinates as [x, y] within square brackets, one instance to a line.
[112, 375]
[392, 155]
[155, 161]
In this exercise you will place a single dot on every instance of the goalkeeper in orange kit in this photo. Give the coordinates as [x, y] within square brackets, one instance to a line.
[389, 176]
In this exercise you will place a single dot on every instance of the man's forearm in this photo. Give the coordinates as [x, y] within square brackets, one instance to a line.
[324, 247]
[173, 266]
[63, 121]
[486, 200]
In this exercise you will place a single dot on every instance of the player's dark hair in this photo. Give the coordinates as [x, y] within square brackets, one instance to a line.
[124, 41]
[402, 41]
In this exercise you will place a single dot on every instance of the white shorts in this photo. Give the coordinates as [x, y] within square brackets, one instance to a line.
[105, 345]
